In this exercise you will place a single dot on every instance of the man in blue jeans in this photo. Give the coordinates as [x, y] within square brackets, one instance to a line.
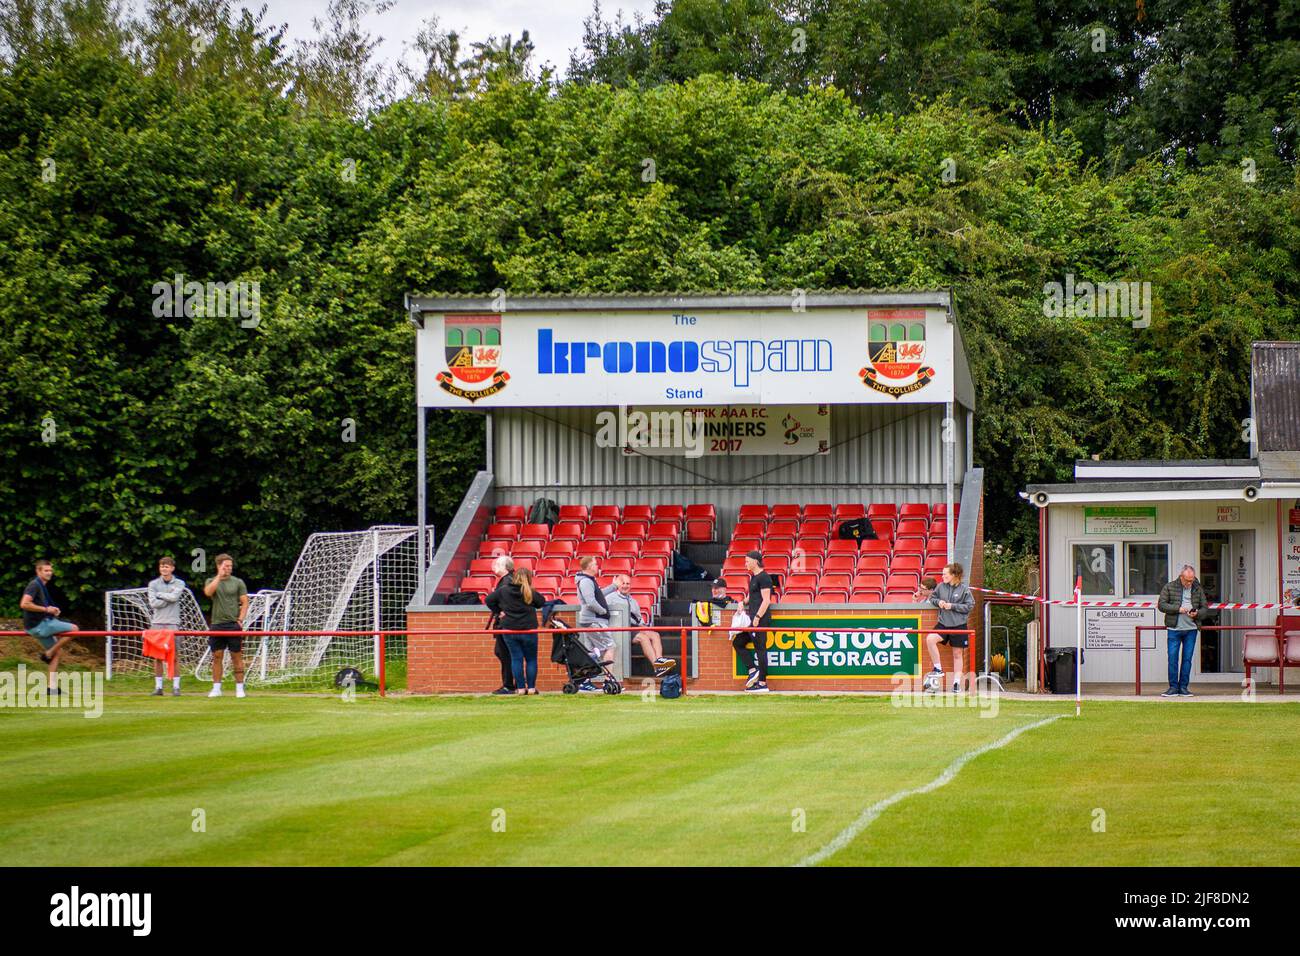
[1183, 601]
[41, 619]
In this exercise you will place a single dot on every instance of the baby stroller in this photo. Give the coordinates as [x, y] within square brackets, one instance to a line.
[578, 663]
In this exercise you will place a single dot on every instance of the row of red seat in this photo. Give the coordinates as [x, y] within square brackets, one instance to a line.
[845, 512]
[742, 546]
[828, 528]
[839, 563]
[695, 522]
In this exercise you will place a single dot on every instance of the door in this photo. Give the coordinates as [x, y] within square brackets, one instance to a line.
[1239, 586]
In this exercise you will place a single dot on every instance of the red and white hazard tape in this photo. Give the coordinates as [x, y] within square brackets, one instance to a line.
[1257, 606]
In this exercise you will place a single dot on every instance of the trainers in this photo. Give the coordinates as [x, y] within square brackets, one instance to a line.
[1171, 692]
[215, 692]
[1184, 692]
[176, 692]
[500, 691]
[759, 687]
[157, 692]
[53, 691]
[239, 692]
[587, 687]
[956, 687]
[752, 679]
[663, 666]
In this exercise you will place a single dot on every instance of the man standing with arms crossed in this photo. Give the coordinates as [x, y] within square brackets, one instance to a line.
[165, 593]
[229, 605]
[41, 620]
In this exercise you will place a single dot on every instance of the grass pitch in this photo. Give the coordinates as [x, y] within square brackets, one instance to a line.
[616, 781]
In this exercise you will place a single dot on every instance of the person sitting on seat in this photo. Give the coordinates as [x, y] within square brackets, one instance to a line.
[649, 641]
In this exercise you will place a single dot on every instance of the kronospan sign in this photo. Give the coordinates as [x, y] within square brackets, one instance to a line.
[775, 357]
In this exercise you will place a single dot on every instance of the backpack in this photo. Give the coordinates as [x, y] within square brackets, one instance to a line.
[670, 687]
[464, 597]
[858, 529]
[544, 511]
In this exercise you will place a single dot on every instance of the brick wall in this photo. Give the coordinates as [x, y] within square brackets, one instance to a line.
[462, 661]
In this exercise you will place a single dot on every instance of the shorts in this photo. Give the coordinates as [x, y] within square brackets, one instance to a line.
[597, 644]
[234, 645]
[955, 640]
[48, 630]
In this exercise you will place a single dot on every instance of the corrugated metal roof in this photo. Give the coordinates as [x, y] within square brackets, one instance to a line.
[698, 299]
[1275, 395]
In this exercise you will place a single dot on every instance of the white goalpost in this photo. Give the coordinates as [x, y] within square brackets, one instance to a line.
[343, 582]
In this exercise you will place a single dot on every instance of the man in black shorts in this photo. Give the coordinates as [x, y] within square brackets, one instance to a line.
[229, 605]
[759, 608]
[955, 602]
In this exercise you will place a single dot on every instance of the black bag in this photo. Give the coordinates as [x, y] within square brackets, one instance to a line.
[557, 648]
[857, 529]
[544, 511]
[671, 687]
[464, 597]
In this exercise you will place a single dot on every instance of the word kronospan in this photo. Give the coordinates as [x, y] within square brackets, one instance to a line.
[103, 909]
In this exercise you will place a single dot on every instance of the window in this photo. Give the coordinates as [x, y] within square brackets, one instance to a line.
[1095, 563]
[1148, 567]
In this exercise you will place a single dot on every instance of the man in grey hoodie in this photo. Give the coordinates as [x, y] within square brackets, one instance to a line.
[593, 611]
[165, 593]
[955, 602]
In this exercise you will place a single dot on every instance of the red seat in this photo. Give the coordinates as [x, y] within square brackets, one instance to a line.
[482, 586]
[849, 512]
[784, 527]
[646, 600]
[598, 547]
[781, 546]
[883, 510]
[569, 595]
[909, 546]
[742, 545]
[845, 563]
[776, 563]
[835, 579]
[914, 509]
[937, 544]
[701, 523]
[934, 566]
[676, 513]
[524, 549]
[614, 565]
[480, 566]
[493, 549]
[513, 514]
[606, 513]
[556, 565]
[560, 549]
[811, 545]
[657, 546]
[812, 527]
[883, 527]
[832, 596]
[568, 531]
[625, 547]
[898, 597]
[634, 529]
[873, 562]
[799, 580]
[548, 584]
[843, 546]
[638, 513]
[806, 561]
[785, 511]
[874, 547]
[503, 532]
[576, 513]
[902, 581]
[646, 582]
[658, 566]
[535, 532]
[867, 597]
[905, 562]
[801, 596]
[818, 511]
[525, 561]
[869, 581]
[749, 529]
[600, 531]
[733, 565]
[940, 510]
[753, 513]
[910, 526]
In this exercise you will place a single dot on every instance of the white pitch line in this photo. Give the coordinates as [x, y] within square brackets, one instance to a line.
[869, 815]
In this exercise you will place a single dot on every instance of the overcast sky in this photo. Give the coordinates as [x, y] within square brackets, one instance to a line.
[554, 26]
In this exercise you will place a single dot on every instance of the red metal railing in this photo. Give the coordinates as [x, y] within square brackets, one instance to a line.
[1137, 647]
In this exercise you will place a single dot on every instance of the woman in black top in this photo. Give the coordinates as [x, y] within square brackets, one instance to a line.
[759, 608]
[515, 603]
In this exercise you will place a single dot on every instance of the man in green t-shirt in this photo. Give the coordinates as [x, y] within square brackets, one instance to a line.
[229, 605]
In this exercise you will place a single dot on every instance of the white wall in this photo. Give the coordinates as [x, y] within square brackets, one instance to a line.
[1180, 524]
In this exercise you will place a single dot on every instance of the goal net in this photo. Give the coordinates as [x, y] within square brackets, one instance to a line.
[343, 583]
